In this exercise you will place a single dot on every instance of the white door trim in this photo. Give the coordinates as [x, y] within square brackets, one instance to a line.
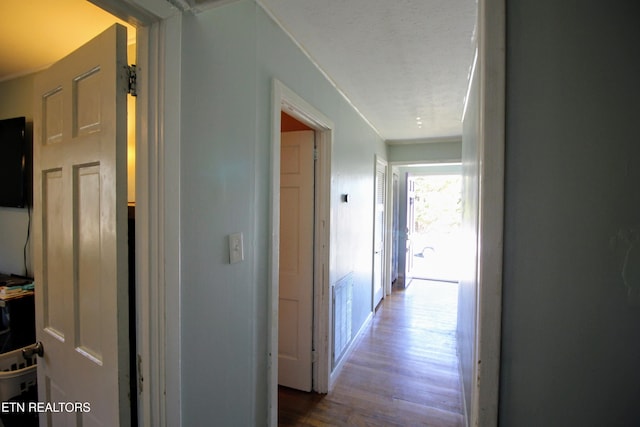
[157, 209]
[483, 410]
[284, 99]
[158, 219]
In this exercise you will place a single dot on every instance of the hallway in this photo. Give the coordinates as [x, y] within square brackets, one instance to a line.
[403, 371]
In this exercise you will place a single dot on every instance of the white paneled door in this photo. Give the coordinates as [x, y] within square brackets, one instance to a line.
[80, 233]
[295, 319]
[379, 232]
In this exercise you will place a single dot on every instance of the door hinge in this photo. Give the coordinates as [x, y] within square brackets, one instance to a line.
[132, 77]
[314, 356]
[315, 153]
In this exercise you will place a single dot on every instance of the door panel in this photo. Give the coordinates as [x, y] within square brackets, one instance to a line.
[80, 232]
[54, 270]
[296, 260]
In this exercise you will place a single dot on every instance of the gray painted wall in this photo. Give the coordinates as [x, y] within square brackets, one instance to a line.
[230, 55]
[571, 333]
[16, 99]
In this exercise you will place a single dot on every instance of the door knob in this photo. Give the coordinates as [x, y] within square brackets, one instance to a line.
[36, 348]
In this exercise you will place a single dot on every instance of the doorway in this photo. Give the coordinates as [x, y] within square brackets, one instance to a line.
[427, 214]
[436, 216]
[286, 101]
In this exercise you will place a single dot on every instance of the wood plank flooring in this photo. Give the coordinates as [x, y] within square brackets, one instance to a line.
[403, 372]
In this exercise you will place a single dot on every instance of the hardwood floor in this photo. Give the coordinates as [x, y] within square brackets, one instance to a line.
[403, 372]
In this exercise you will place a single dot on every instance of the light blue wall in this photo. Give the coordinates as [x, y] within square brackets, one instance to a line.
[16, 99]
[446, 151]
[230, 55]
[571, 334]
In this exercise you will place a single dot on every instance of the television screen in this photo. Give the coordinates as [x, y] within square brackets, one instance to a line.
[12, 162]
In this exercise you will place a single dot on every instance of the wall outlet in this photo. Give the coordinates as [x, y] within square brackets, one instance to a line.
[236, 249]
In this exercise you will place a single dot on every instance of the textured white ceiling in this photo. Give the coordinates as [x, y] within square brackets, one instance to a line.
[396, 60]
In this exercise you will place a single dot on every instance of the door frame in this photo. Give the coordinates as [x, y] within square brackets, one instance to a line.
[158, 32]
[284, 99]
[158, 308]
[491, 69]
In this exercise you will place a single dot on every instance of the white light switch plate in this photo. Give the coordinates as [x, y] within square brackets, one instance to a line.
[236, 249]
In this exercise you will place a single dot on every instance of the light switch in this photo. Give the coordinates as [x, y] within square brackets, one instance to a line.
[236, 250]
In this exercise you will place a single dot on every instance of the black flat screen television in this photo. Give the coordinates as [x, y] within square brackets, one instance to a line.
[13, 162]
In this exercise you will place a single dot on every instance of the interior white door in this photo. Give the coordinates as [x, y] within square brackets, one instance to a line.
[379, 232]
[295, 317]
[411, 228]
[395, 230]
[80, 232]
